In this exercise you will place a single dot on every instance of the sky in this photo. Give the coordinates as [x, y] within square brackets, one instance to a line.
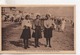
[55, 11]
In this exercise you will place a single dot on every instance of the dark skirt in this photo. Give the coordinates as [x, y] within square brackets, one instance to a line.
[37, 33]
[26, 34]
[48, 32]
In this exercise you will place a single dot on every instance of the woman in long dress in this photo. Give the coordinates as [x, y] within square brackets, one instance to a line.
[48, 30]
[26, 34]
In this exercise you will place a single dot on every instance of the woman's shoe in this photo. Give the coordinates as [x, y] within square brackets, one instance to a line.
[50, 46]
[35, 46]
[25, 47]
[38, 46]
[28, 47]
[45, 45]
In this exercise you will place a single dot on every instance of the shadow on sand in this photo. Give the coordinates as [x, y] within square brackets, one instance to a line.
[19, 43]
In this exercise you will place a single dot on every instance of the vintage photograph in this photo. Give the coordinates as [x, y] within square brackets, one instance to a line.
[38, 28]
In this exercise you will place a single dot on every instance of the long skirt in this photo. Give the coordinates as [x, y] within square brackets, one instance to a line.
[48, 32]
[26, 33]
[37, 33]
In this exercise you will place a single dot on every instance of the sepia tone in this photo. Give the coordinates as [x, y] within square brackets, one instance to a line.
[60, 41]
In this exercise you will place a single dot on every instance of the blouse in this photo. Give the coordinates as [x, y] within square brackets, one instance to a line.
[48, 23]
[26, 23]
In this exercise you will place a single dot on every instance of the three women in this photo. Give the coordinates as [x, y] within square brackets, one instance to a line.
[26, 34]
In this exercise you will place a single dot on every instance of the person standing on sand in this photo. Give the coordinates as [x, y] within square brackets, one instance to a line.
[48, 30]
[26, 33]
[37, 31]
[63, 24]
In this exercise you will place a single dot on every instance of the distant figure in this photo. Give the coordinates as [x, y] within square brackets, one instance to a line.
[48, 30]
[63, 24]
[3, 17]
[72, 24]
[59, 24]
[26, 34]
[6, 17]
[11, 17]
[37, 31]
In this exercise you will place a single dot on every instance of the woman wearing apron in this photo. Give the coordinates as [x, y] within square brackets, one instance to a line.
[26, 34]
[37, 35]
[48, 30]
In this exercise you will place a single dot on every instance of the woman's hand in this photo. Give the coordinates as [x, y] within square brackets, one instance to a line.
[33, 30]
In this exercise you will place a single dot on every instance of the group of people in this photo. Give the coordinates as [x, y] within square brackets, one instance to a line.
[38, 26]
[59, 22]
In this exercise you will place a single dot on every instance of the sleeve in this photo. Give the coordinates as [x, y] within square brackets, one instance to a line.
[33, 24]
[45, 25]
[22, 25]
[53, 24]
[40, 22]
[30, 24]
